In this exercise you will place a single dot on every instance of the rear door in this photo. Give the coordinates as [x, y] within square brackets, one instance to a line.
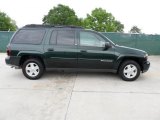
[91, 53]
[62, 49]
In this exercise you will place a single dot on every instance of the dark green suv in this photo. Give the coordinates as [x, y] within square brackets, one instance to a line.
[36, 48]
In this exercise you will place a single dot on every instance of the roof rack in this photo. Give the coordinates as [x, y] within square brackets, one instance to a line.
[51, 26]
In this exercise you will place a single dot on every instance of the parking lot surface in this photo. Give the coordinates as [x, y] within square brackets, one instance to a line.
[79, 96]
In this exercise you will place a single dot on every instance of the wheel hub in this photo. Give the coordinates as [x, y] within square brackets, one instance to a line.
[130, 71]
[32, 69]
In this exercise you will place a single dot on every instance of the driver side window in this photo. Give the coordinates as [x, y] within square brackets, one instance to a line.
[91, 39]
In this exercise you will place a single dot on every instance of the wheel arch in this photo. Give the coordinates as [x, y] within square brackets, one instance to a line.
[26, 56]
[122, 59]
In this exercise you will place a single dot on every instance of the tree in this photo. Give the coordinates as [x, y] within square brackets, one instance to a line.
[135, 29]
[6, 23]
[61, 15]
[102, 21]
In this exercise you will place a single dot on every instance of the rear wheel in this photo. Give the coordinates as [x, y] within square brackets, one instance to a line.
[129, 70]
[32, 69]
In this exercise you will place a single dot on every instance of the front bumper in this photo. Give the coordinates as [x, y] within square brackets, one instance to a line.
[12, 61]
[145, 66]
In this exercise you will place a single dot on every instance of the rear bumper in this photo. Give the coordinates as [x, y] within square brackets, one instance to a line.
[145, 66]
[12, 61]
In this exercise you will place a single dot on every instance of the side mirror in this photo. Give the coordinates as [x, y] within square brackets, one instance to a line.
[107, 45]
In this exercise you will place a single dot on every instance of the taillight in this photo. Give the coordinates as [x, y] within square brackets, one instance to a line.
[8, 51]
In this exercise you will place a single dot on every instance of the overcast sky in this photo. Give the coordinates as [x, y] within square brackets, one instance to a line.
[143, 13]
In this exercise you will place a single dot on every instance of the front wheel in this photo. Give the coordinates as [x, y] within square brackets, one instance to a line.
[129, 70]
[32, 69]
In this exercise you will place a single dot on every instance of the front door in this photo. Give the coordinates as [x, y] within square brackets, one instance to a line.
[91, 53]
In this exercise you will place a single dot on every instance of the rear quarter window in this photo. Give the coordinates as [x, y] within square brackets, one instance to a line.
[28, 36]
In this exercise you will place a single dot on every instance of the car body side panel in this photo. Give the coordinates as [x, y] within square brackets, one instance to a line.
[61, 56]
[96, 58]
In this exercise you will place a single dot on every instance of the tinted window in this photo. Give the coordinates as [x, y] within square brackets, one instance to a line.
[53, 37]
[29, 37]
[91, 39]
[65, 37]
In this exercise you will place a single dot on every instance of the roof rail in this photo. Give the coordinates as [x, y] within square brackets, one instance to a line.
[68, 26]
[51, 26]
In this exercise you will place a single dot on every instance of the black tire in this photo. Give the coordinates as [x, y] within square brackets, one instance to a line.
[134, 74]
[35, 62]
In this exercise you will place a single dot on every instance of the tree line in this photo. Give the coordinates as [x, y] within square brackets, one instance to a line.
[99, 20]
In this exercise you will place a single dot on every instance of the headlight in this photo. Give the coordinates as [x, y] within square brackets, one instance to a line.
[146, 56]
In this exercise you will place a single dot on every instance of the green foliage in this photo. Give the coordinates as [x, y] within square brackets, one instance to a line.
[61, 15]
[6, 23]
[102, 21]
[99, 19]
[135, 29]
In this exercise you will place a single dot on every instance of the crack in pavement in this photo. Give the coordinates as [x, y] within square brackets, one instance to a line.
[70, 97]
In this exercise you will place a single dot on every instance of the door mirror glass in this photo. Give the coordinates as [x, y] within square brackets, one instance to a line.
[107, 45]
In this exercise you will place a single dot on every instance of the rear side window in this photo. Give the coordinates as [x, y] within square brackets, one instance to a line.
[65, 37]
[29, 37]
